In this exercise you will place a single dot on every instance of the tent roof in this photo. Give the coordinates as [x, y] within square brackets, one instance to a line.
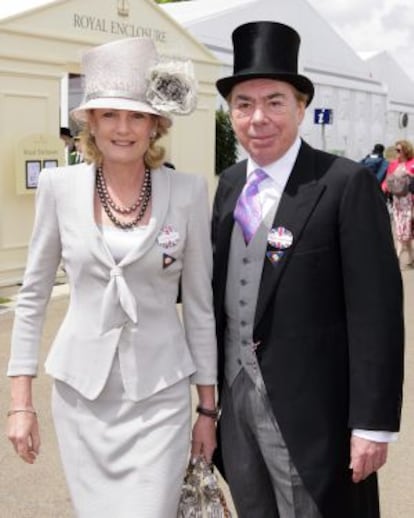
[213, 24]
[384, 66]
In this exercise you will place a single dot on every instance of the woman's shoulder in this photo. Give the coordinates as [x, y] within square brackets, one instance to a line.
[182, 178]
[68, 171]
[410, 165]
[66, 178]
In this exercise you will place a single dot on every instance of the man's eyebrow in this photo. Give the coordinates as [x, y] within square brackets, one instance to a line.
[244, 97]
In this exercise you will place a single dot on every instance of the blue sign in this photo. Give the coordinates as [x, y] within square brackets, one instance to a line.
[323, 116]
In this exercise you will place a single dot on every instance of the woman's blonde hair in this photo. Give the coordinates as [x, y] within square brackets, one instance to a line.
[406, 148]
[154, 156]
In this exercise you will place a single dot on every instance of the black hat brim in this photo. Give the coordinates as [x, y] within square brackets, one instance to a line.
[301, 83]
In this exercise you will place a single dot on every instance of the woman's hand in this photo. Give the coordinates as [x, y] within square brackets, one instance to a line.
[204, 438]
[23, 432]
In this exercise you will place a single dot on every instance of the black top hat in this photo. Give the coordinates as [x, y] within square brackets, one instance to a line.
[266, 50]
[65, 132]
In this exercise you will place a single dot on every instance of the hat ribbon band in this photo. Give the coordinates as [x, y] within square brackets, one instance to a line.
[121, 94]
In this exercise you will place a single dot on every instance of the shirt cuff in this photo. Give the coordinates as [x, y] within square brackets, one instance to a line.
[376, 435]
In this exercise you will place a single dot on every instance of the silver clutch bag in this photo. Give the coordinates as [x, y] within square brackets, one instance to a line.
[201, 495]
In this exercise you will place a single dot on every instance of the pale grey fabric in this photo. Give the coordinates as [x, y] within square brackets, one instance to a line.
[261, 475]
[108, 295]
[122, 458]
[243, 279]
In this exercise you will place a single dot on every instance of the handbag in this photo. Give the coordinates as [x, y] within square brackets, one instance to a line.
[201, 495]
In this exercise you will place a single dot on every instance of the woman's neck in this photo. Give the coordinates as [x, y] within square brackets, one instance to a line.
[123, 174]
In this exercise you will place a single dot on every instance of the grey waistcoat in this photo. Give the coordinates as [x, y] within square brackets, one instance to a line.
[243, 279]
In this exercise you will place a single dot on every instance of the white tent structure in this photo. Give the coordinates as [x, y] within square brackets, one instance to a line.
[400, 108]
[344, 83]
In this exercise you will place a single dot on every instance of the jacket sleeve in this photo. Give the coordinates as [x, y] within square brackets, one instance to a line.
[43, 260]
[197, 296]
[374, 306]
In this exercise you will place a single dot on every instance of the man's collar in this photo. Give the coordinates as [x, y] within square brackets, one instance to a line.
[279, 170]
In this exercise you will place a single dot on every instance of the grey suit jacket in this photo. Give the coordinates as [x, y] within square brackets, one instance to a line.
[133, 300]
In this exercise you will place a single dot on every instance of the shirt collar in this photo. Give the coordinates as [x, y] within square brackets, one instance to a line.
[280, 170]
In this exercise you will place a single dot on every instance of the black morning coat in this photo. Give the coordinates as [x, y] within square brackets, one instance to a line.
[329, 318]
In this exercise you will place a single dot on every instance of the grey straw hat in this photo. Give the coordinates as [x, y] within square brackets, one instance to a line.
[128, 74]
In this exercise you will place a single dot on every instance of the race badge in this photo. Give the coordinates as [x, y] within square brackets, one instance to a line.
[167, 260]
[280, 238]
[168, 237]
[274, 257]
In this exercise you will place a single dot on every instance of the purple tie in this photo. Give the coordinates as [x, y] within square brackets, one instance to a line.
[248, 211]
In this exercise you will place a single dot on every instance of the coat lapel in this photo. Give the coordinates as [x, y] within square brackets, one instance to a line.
[85, 193]
[301, 194]
[161, 187]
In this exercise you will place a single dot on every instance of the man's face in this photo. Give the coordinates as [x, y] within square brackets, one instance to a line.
[266, 116]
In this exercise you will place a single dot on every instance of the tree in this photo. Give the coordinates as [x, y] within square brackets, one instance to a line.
[226, 143]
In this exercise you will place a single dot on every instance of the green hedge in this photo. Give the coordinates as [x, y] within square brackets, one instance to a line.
[226, 143]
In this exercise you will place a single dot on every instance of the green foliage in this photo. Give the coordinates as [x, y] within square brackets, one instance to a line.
[226, 143]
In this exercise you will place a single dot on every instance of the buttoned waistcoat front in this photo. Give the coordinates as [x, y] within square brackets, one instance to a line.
[133, 300]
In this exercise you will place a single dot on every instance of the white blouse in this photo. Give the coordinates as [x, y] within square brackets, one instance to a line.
[120, 241]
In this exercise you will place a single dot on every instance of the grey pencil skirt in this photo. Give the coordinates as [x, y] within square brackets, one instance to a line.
[123, 459]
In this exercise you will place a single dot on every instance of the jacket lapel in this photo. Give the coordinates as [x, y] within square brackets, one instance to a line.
[85, 194]
[161, 187]
[301, 194]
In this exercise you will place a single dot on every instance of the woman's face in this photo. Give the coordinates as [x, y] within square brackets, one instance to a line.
[400, 153]
[122, 136]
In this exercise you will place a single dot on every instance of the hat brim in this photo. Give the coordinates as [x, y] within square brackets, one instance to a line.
[115, 103]
[301, 83]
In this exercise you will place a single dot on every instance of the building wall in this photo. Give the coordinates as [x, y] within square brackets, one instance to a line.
[37, 52]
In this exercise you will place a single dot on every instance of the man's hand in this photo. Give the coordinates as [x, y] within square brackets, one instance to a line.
[366, 457]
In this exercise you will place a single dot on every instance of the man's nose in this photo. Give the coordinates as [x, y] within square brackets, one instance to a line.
[259, 113]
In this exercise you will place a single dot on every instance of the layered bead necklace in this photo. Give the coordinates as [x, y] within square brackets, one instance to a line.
[111, 208]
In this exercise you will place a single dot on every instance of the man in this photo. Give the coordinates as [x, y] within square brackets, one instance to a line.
[308, 300]
[76, 156]
[376, 162]
[66, 136]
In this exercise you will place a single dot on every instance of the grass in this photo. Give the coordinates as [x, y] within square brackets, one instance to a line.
[4, 300]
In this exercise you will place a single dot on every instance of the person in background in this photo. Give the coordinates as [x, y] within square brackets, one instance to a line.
[308, 302]
[127, 229]
[67, 137]
[402, 204]
[76, 156]
[376, 162]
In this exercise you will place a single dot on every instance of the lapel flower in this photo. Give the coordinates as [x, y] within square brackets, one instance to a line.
[172, 87]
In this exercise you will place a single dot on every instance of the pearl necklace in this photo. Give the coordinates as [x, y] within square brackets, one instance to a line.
[110, 206]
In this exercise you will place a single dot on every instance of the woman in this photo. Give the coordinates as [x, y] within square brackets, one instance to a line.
[127, 230]
[402, 206]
